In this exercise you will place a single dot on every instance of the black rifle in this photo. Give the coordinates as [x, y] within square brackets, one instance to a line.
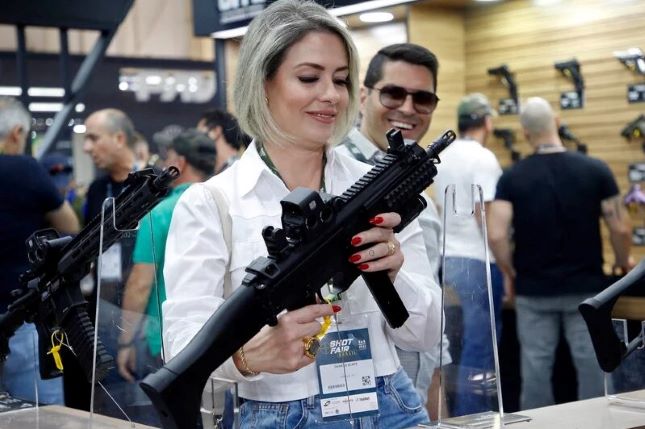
[507, 79]
[565, 134]
[312, 247]
[571, 69]
[50, 296]
[508, 137]
[610, 350]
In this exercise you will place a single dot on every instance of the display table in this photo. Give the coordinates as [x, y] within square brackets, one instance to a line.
[57, 417]
[589, 414]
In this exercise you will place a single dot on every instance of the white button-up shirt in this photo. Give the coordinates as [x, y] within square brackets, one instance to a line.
[197, 256]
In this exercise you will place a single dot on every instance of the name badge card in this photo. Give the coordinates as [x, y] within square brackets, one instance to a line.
[111, 263]
[346, 375]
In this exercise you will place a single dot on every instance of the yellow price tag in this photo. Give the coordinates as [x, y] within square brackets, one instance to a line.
[57, 360]
[55, 350]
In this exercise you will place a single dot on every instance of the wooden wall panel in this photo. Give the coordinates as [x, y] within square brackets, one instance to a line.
[530, 39]
[441, 29]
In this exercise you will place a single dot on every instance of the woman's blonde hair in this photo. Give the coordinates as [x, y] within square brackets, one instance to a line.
[269, 36]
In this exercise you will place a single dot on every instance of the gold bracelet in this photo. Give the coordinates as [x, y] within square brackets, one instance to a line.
[246, 371]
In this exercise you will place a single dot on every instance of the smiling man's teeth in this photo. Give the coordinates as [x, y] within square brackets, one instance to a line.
[402, 125]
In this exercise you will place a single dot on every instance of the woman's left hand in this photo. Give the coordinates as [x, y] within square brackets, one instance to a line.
[383, 251]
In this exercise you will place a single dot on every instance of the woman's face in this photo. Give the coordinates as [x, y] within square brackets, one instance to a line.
[309, 92]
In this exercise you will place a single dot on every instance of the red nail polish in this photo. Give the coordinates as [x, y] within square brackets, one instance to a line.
[356, 241]
[354, 258]
[363, 266]
[376, 220]
[336, 308]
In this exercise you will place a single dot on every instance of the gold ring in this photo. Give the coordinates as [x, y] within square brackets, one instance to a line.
[391, 248]
[312, 345]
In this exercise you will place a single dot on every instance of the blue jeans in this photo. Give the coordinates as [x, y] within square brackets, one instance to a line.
[630, 375]
[539, 321]
[467, 277]
[21, 371]
[399, 407]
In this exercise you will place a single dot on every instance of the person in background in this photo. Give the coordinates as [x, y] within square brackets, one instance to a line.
[193, 153]
[142, 155]
[109, 140]
[297, 95]
[61, 170]
[223, 129]
[399, 91]
[553, 201]
[464, 163]
[29, 201]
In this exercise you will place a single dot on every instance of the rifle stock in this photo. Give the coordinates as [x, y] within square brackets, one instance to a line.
[315, 228]
[596, 311]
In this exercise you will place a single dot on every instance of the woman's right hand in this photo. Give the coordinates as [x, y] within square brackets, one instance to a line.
[280, 349]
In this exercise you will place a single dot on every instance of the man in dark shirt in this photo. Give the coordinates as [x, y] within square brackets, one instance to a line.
[553, 200]
[29, 201]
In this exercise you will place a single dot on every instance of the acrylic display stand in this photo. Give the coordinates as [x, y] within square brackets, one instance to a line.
[220, 405]
[470, 385]
[114, 396]
[624, 386]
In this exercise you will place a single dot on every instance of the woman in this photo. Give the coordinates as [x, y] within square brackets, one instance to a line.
[296, 94]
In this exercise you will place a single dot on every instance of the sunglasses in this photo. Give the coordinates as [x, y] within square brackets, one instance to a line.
[393, 97]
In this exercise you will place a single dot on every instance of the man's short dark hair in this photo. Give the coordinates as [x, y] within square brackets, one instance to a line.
[470, 122]
[407, 52]
[198, 149]
[232, 133]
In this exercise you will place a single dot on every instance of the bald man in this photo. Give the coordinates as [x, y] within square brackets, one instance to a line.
[554, 200]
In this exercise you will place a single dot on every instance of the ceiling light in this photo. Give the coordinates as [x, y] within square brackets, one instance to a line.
[372, 17]
[45, 107]
[37, 91]
[10, 91]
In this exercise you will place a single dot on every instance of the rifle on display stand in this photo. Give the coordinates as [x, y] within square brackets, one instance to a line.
[50, 295]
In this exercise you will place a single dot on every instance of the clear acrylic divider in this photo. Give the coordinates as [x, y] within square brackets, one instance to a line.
[471, 395]
[625, 385]
[220, 407]
[128, 295]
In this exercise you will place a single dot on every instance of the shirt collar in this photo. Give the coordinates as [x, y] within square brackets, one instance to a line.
[363, 144]
[254, 169]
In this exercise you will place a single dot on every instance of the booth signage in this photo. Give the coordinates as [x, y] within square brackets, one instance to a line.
[636, 93]
[212, 16]
[636, 172]
[571, 100]
[507, 106]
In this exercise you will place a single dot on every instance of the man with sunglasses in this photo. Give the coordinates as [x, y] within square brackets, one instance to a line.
[399, 92]
[464, 163]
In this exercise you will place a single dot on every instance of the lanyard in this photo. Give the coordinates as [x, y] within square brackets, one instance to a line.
[267, 160]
